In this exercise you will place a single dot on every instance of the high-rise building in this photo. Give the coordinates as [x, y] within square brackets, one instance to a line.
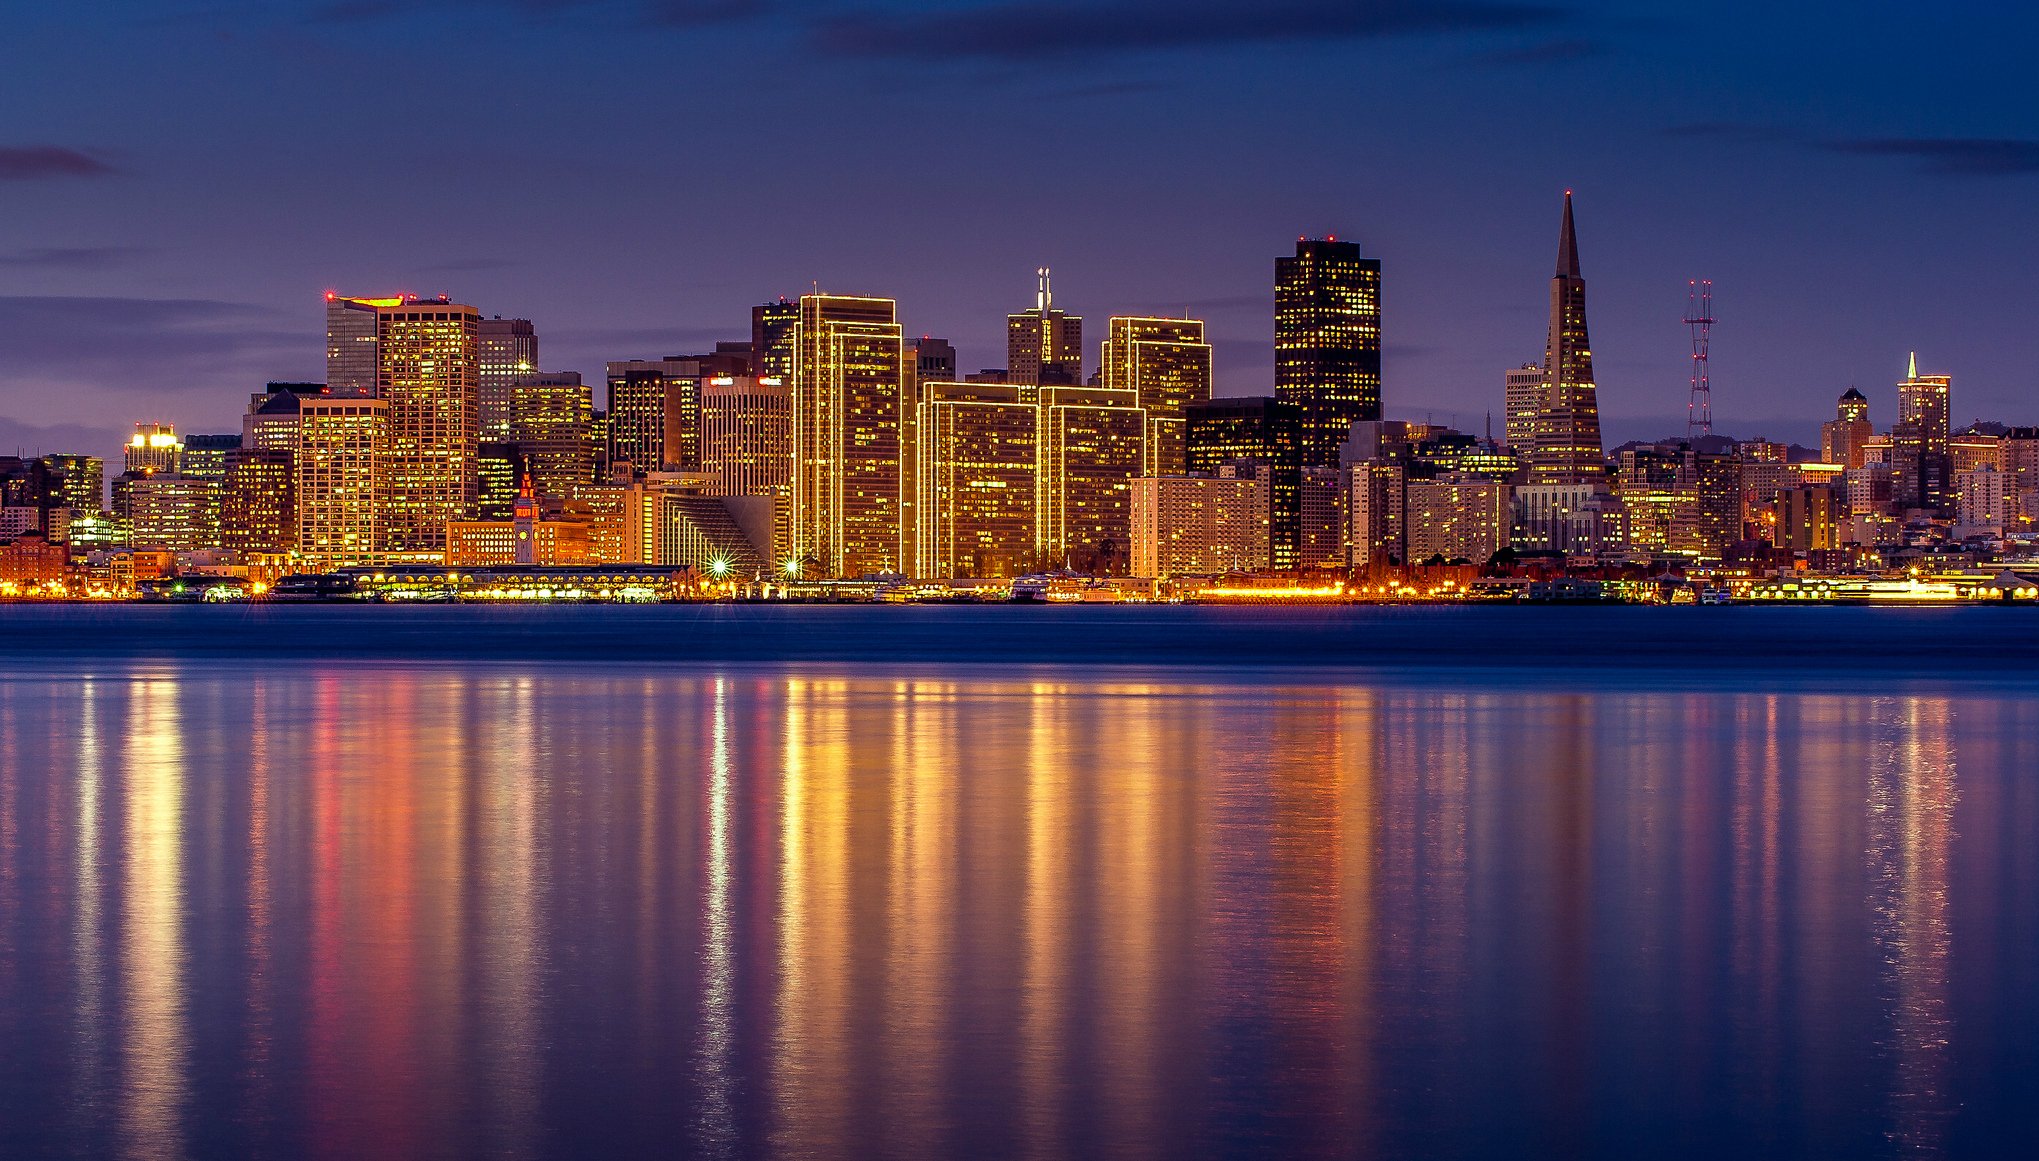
[506, 350]
[848, 435]
[154, 447]
[1321, 543]
[654, 421]
[1166, 363]
[934, 361]
[1045, 344]
[1920, 466]
[1327, 341]
[1093, 442]
[975, 479]
[1578, 520]
[81, 481]
[1523, 401]
[772, 326]
[205, 456]
[500, 472]
[170, 512]
[1188, 525]
[747, 436]
[419, 356]
[551, 421]
[1266, 431]
[258, 501]
[1565, 443]
[340, 463]
[2018, 460]
[1843, 438]
[1982, 507]
[271, 419]
[1808, 520]
[1457, 518]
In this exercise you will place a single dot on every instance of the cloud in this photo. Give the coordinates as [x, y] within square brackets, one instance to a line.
[32, 439]
[41, 162]
[1953, 156]
[53, 346]
[72, 257]
[1041, 29]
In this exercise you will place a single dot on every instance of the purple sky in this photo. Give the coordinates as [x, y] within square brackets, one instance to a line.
[179, 183]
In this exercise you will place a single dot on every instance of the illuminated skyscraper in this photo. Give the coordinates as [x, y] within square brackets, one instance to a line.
[1199, 524]
[977, 458]
[425, 368]
[1327, 341]
[1266, 431]
[747, 446]
[205, 456]
[848, 423]
[655, 409]
[507, 350]
[342, 442]
[771, 339]
[154, 447]
[1523, 400]
[1093, 442]
[1565, 443]
[1166, 363]
[258, 501]
[1843, 438]
[172, 512]
[1920, 467]
[82, 481]
[1043, 345]
[550, 425]
[1456, 517]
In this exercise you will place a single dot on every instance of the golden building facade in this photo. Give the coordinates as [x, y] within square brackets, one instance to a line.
[1166, 363]
[849, 435]
[1093, 443]
[1189, 525]
[339, 461]
[975, 472]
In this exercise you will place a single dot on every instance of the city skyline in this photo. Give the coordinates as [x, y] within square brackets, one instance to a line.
[140, 235]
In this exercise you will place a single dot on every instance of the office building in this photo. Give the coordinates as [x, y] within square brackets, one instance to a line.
[1920, 464]
[1564, 441]
[154, 447]
[170, 512]
[1455, 518]
[1808, 520]
[848, 427]
[1266, 431]
[1983, 507]
[772, 332]
[934, 361]
[1375, 507]
[1093, 442]
[506, 350]
[2018, 460]
[1166, 363]
[1195, 525]
[258, 501]
[1321, 533]
[1576, 520]
[977, 455]
[1844, 438]
[1043, 345]
[81, 481]
[340, 461]
[205, 456]
[1327, 341]
[1523, 397]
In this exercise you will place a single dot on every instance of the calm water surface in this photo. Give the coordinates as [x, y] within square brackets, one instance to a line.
[306, 882]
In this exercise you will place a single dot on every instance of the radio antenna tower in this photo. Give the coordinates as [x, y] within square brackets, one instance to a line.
[1699, 316]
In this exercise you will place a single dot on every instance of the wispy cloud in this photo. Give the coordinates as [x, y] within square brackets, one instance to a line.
[1954, 156]
[1040, 29]
[72, 257]
[42, 162]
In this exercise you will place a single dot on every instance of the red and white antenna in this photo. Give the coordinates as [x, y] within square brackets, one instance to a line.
[1699, 316]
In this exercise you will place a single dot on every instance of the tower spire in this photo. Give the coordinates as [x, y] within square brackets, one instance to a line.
[1568, 244]
[1912, 372]
[1045, 296]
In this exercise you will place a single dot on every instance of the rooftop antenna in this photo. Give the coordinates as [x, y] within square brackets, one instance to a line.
[1045, 296]
[1699, 317]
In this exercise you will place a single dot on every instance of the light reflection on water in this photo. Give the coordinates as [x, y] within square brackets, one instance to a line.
[515, 911]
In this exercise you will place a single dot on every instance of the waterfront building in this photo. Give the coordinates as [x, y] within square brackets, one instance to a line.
[1191, 525]
[850, 468]
[1457, 518]
[1375, 507]
[1043, 345]
[258, 501]
[1093, 442]
[1578, 520]
[506, 350]
[1565, 443]
[1982, 506]
[1920, 463]
[340, 463]
[81, 481]
[1327, 342]
[1808, 520]
[1166, 363]
[1261, 430]
[419, 357]
[2018, 460]
[977, 457]
[172, 512]
[154, 447]
[497, 543]
[1844, 438]
[1320, 540]
[1522, 400]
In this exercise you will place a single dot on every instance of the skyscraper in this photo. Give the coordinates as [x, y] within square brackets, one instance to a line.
[506, 350]
[848, 423]
[1268, 432]
[1166, 363]
[1522, 400]
[1843, 438]
[747, 436]
[551, 416]
[419, 356]
[976, 481]
[934, 361]
[1327, 341]
[1043, 345]
[771, 339]
[1565, 442]
[1920, 473]
[342, 442]
[1093, 442]
[154, 447]
[258, 501]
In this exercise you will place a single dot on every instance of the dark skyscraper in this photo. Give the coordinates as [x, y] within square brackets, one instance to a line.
[1263, 431]
[771, 339]
[1327, 341]
[1565, 445]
